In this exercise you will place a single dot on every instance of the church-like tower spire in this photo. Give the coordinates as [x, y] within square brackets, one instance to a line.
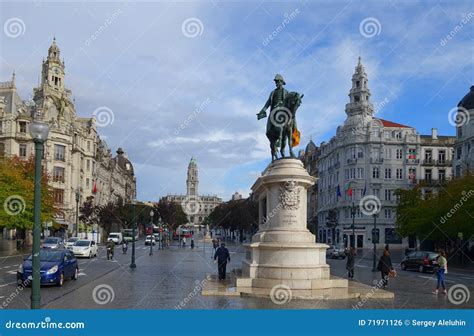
[359, 107]
[52, 74]
[192, 181]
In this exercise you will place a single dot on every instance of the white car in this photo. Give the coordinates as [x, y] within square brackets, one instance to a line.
[116, 237]
[150, 240]
[70, 242]
[85, 248]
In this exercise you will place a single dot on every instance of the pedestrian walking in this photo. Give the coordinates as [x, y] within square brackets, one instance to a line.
[192, 243]
[350, 254]
[442, 270]
[223, 256]
[184, 242]
[385, 267]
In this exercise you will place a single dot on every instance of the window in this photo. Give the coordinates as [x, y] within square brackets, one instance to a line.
[376, 192]
[1, 126]
[399, 173]
[398, 135]
[428, 175]
[441, 175]
[58, 174]
[376, 172]
[412, 173]
[22, 151]
[386, 134]
[2, 149]
[428, 155]
[388, 153]
[88, 165]
[58, 195]
[388, 213]
[388, 173]
[388, 195]
[360, 173]
[442, 156]
[59, 152]
[459, 153]
[87, 184]
[22, 126]
[360, 153]
[412, 153]
[88, 146]
[399, 154]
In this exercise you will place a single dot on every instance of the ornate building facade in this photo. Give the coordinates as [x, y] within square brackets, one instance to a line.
[196, 207]
[368, 159]
[464, 147]
[76, 158]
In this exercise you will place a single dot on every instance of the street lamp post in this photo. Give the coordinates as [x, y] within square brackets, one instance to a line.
[134, 227]
[39, 132]
[160, 243]
[374, 262]
[353, 213]
[78, 196]
[152, 236]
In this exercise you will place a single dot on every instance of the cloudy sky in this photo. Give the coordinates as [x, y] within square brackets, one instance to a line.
[173, 80]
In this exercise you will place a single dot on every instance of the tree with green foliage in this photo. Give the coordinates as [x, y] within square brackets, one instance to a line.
[241, 215]
[171, 214]
[17, 181]
[439, 216]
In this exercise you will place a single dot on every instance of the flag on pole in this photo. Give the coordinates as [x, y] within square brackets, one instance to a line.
[94, 188]
[349, 191]
[338, 192]
[365, 190]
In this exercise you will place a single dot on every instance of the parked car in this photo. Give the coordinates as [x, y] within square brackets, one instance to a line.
[150, 240]
[85, 248]
[422, 261]
[336, 252]
[53, 243]
[55, 267]
[70, 242]
[116, 237]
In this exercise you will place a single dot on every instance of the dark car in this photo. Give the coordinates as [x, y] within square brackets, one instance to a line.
[55, 267]
[421, 261]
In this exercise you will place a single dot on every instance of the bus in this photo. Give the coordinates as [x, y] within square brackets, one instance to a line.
[128, 234]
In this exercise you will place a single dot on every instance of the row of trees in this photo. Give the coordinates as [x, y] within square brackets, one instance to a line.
[235, 215]
[17, 182]
[447, 214]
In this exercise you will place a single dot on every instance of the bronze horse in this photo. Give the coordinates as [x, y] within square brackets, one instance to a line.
[281, 123]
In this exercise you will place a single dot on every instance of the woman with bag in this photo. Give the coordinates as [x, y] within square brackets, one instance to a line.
[385, 267]
[351, 253]
[442, 270]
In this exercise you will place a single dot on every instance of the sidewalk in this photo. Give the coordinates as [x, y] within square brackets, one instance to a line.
[8, 248]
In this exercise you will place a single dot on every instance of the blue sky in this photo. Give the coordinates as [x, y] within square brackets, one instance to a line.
[186, 79]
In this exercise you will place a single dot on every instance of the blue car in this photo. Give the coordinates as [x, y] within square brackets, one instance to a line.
[56, 266]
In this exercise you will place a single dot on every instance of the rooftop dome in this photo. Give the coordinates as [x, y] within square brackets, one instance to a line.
[468, 101]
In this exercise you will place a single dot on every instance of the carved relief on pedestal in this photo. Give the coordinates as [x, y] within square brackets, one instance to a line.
[290, 196]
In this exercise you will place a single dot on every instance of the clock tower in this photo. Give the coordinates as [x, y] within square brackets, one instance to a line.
[192, 181]
[52, 74]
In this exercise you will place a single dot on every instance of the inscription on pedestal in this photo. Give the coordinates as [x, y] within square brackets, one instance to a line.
[289, 219]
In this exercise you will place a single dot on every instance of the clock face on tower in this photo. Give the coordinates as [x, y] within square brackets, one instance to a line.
[56, 71]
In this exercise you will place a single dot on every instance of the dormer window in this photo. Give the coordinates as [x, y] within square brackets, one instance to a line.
[356, 99]
[358, 84]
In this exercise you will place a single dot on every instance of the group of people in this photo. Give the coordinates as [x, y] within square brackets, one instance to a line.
[387, 270]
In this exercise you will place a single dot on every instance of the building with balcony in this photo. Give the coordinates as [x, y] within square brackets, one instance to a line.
[464, 145]
[75, 157]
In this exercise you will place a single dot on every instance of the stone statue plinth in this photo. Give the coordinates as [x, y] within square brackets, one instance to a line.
[283, 251]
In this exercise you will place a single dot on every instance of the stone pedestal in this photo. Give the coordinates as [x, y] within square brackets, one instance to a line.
[283, 251]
